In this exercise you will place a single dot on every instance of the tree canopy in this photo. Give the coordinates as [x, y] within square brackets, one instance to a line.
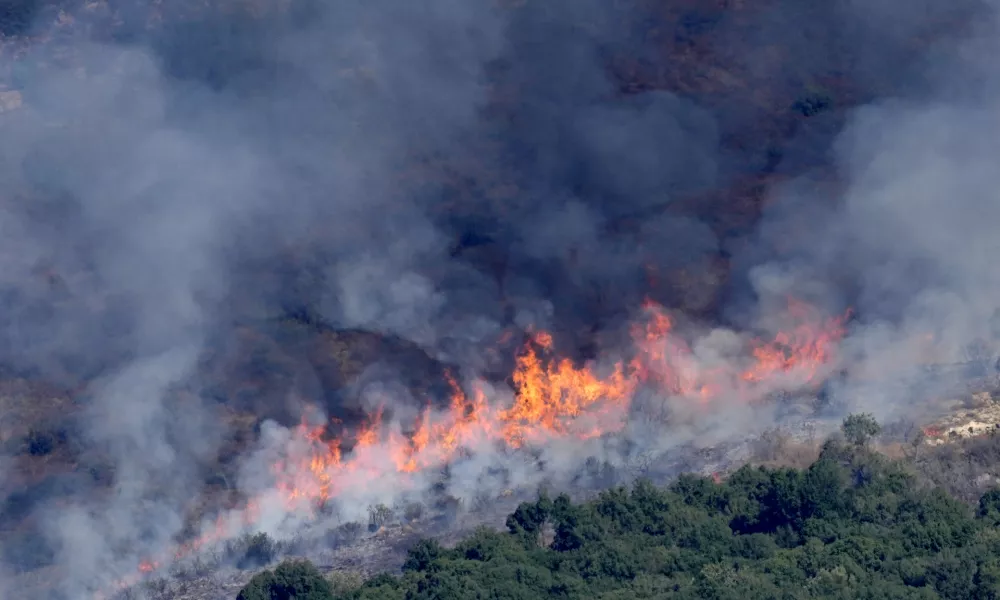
[291, 580]
[852, 525]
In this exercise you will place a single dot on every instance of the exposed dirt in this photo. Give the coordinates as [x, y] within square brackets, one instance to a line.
[976, 416]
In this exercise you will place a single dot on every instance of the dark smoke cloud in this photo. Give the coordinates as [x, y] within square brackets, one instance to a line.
[441, 171]
[907, 242]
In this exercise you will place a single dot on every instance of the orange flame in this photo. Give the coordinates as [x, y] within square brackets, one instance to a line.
[147, 566]
[553, 396]
[554, 399]
[665, 360]
[805, 348]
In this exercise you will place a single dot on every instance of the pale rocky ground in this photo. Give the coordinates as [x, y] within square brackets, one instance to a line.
[977, 416]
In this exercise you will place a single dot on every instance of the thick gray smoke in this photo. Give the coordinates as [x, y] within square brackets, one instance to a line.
[908, 242]
[176, 178]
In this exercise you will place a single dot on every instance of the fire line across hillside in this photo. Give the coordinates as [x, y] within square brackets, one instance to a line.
[757, 91]
[554, 399]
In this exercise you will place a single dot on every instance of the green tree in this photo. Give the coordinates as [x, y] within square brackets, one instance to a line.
[854, 524]
[989, 506]
[258, 550]
[421, 556]
[528, 518]
[291, 580]
[859, 429]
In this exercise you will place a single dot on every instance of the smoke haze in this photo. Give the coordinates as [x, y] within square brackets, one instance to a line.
[447, 175]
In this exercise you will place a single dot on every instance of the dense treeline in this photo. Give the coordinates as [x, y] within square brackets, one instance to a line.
[852, 525]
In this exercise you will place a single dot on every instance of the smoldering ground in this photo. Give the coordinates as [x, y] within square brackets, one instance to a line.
[444, 172]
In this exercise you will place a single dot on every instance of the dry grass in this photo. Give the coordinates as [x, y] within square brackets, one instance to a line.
[780, 448]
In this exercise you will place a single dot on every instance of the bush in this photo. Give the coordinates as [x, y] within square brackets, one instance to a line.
[344, 582]
[259, 587]
[255, 551]
[40, 443]
[989, 506]
[852, 525]
[413, 511]
[378, 515]
[291, 580]
[858, 429]
[348, 533]
[420, 557]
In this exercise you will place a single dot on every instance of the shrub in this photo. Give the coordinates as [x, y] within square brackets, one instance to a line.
[378, 515]
[420, 557]
[256, 550]
[413, 511]
[259, 587]
[344, 582]
[989, 505]
[40, 443]
[852, 525]
[291, 580]
[348, 533]
[858, 429]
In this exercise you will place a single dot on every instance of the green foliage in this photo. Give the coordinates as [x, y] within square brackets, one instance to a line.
[252, 551]
[422, 556]
[852, 525]
[259, 587]
[858, 429]
[291, 580]
[343, 583]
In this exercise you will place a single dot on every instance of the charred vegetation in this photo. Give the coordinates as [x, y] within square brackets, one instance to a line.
[331, 218]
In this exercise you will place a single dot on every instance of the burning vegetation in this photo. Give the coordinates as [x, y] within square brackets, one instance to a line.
[269, 264]
[554, 401]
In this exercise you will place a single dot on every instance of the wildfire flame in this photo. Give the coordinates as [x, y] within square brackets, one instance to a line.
[803, 348]
[666, 361]
[554, 399]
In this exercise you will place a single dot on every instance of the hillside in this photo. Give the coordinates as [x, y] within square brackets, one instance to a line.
[853, 524]
[269, 265]
[959, 474]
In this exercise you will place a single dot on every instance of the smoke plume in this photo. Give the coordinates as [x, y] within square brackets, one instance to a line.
[432, 185]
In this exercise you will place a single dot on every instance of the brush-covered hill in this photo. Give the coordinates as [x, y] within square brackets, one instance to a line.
[218, 213]
[853, 524]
